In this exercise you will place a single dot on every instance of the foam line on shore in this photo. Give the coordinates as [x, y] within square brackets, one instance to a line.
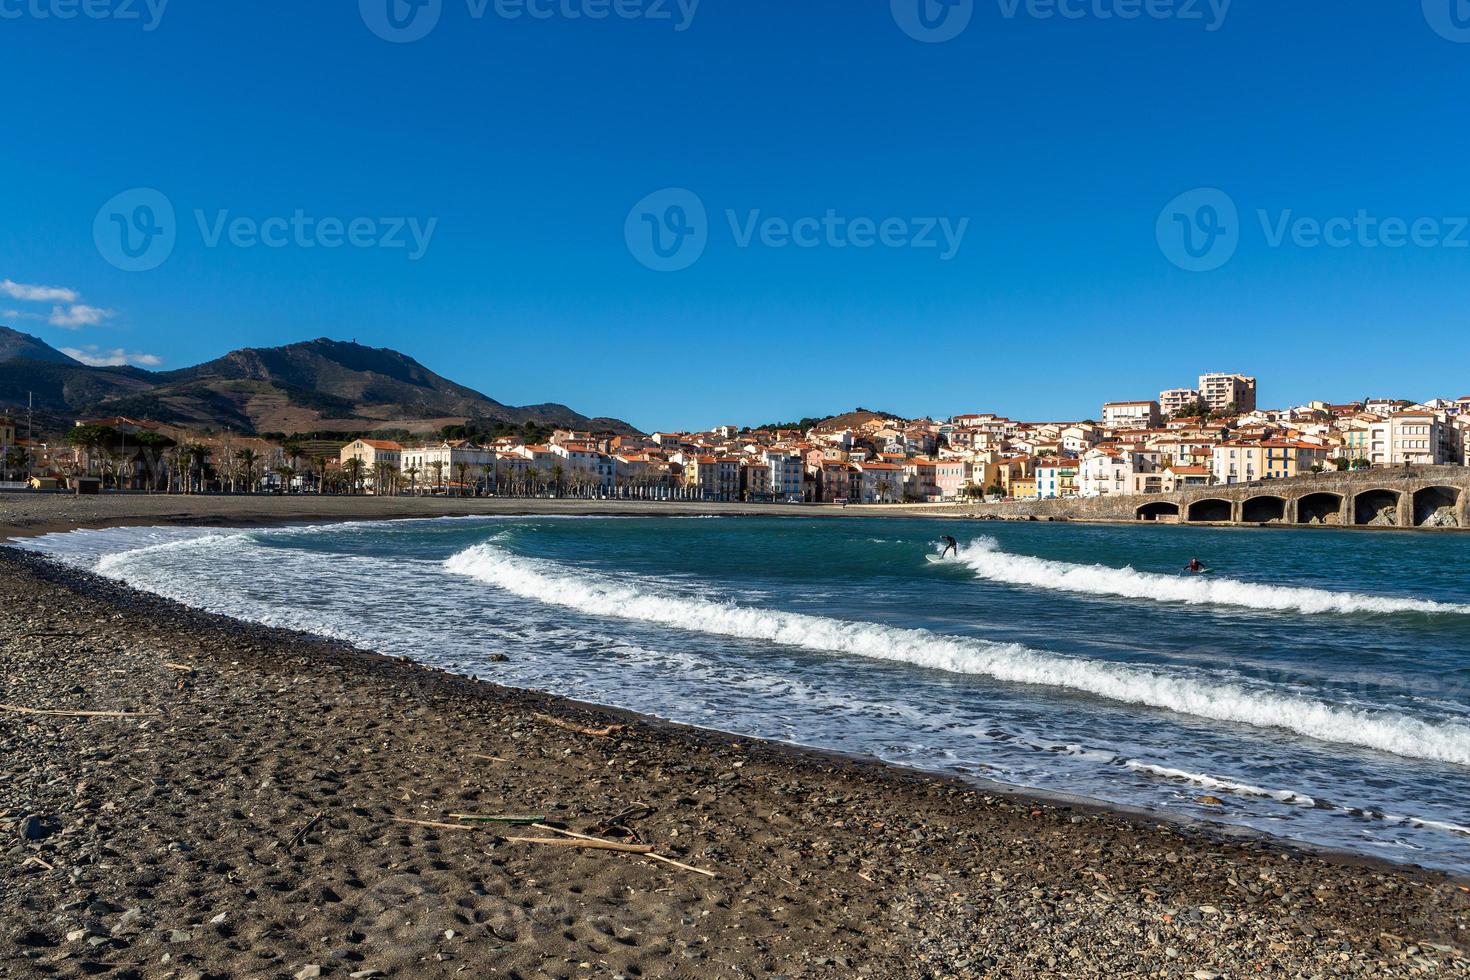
[597, 595]
[986, 559]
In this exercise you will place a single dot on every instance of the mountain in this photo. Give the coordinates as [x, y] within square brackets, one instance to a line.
[15, 345]
[319, 385]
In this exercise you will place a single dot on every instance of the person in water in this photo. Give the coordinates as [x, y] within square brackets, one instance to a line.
[950, 544]
[1195, 567]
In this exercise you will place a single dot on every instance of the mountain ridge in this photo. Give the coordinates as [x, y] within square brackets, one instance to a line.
[312, 385]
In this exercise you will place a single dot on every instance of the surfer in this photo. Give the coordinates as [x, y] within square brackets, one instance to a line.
[950, 544]
[1195, 567]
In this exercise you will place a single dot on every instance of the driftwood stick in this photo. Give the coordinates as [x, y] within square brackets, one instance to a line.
[431, 823]
[594, 845]
[488, 758]
[75, 714]
[649, 852]
[568, 726]
[301, 834]
[477, 818]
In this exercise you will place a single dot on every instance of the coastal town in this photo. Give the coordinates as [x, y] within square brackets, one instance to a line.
[1213, 433]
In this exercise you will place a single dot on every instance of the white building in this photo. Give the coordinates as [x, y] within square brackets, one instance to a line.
[1131, 415]
[1179, 401]
[438, 466]
[786, 468]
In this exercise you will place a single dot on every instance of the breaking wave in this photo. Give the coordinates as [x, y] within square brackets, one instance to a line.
[596, 595]
[985, 557]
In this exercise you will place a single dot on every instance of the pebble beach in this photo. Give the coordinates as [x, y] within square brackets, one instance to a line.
[186, 795]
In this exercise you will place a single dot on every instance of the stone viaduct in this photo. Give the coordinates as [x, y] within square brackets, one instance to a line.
[1424, 497]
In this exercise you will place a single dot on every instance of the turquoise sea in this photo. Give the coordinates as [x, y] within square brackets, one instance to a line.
[1316, 683]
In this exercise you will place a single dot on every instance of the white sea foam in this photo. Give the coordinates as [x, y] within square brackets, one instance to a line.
[1216, 783]
[985, 557]
[1171, 689]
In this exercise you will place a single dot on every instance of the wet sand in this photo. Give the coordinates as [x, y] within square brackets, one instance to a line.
[245, 817]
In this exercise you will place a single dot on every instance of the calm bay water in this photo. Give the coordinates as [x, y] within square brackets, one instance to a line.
[1317, 682]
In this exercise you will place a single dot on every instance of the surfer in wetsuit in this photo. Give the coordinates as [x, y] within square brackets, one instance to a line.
[950, 544]
[1195, 567]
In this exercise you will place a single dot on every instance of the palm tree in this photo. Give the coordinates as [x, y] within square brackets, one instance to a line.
[883, 489]
[321, 473]
[178, 462]
[413, 479]
[556, 476]
[463, 469]
[248, 459]
[16, 459]
[354, 467]
[198, 459]
[438, 467]
[287, 473]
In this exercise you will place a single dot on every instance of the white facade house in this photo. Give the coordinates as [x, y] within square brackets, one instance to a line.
[437, 466]
[787, 469]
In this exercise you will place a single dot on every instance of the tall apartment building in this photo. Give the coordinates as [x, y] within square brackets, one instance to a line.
[1178, 401]
[1227, 392]
[1131, 415]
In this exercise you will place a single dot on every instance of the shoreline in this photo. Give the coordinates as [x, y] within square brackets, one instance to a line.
[918, 854]
[580, 508]
[27, 514]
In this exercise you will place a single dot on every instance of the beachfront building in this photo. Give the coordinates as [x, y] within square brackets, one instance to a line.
[786, 472]
[1056, 478]
[1106, 471]
[956, 478]
[460, 465]
[920, 479]
[377, 461]
[880, 483]
[1238, 461]
[583, 467]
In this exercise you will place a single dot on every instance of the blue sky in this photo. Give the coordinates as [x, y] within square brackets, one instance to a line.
[519, 147]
